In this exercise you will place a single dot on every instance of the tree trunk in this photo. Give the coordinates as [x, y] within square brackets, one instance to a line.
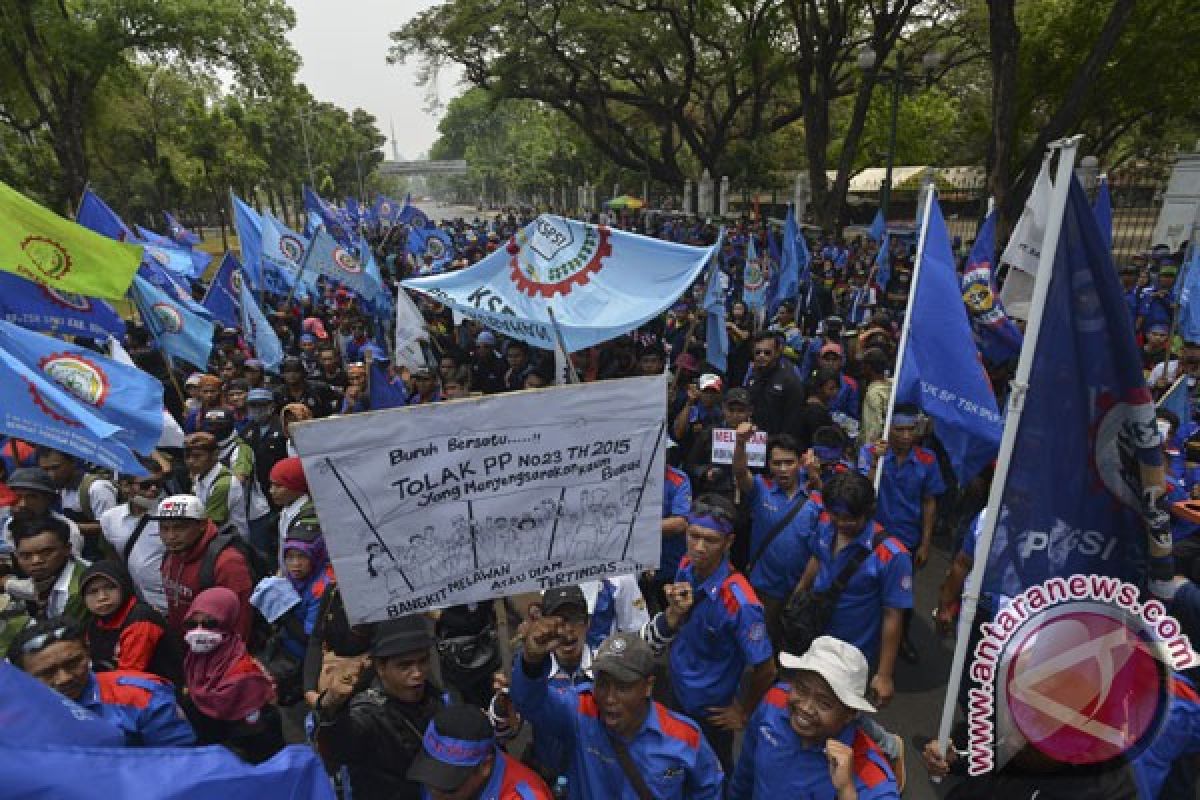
[1004, 39]
[66, 137]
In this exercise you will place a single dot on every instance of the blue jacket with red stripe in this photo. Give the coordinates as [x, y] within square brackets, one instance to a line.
[1180, 736]
[776, 764]
[142, 705]
[669, 750]
[510, 780]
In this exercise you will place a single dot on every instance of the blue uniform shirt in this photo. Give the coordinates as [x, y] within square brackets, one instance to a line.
[724, 633]
[677, 502]
[669, 750]
[141, 705]
[883, 580]
[1155, 310]
[847, 400]
[768, 505]
[902, 489]
[509, 779]
[775, 763]
[1179, 737]
[777, 571]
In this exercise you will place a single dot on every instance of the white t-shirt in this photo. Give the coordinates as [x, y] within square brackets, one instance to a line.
[145, 560]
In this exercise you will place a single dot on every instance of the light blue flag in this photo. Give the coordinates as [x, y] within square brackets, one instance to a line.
[224, 291]
[1102, 209]
[177, 773]
[282, 254]
[1189, 297]
[878, 227]
[1177, 399]
[795, 250]
[941, 370]
[754, 278]
[179, 233]
[258, 331]
[168, 283]
[199, 259]
[42, 308]
[599, 282]
[716, 337]
[76, 400]
[179, 332]
[883, 262]
[249, 229]
[329, 258]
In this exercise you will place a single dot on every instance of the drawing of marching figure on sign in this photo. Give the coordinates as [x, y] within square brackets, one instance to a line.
[381, 564]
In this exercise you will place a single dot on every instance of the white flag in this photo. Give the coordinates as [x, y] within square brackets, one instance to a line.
[410, 333]
[1025, 247]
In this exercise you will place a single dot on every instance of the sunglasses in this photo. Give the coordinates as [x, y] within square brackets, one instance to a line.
[142, 485]
[193, 624]
[764, 352]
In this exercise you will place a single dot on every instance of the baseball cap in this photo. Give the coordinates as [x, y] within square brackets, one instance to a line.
[200, 440]
[485, 337]
[291, 364]
[253, 363]
[708, 381]
[260, 396]
[559, 597]
[737, 396]
[33, 478]
[625, 656]
[218, 421]
[831, 347]
[458, 739]
[180, 506]
[398, 636]
[841, 664]
[193, 379]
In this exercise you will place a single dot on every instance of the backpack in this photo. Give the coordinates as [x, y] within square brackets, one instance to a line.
[85, 492]
[260, 632]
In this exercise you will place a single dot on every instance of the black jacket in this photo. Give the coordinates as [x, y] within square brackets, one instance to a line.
[777, 399]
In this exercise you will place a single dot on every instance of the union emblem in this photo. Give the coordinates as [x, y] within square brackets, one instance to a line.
[48, 257]
[552, 255]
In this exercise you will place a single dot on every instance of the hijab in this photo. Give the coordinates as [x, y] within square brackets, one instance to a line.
[225, 683]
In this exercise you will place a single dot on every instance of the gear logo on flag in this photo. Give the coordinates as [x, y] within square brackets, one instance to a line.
[385, 209]
[168, 317]
[49, 257]
[78, 375]
[1122, 434]
[47, 407]
[70, 300]
[755, 277]
[346, 262]
[551, 261]
[291, 248]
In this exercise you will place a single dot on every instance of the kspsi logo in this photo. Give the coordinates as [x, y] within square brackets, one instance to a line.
[1079, 668]
[48, 258]
[345, 261]
[557, 256]
[76, 302]
[79, 375]
[291, 247]
[755, 277]
[169, 319]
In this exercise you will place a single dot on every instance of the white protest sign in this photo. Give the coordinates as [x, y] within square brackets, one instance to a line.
[724, 440]
[434, 505]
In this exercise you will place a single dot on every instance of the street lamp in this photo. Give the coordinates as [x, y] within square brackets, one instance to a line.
[900, 80]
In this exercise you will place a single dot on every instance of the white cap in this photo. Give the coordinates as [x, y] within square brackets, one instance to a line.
[181, 506]
[842, 665]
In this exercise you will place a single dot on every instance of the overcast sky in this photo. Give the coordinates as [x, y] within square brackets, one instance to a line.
[344, 44]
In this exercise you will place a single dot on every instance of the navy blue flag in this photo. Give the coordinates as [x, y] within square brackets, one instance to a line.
[386, 210]
[179, 233]
[76, 400]
[431, 242]
[329, 216]
[1103, 211]
[793, 270]
[1087, 441]
[41, 308]
[878, 227]
[95, 214]
[941, 371]
[998, 337]
[386, 392]
[35, 714]
[180, 333]
[177, 773]
[883, 262]
[224, 291]
[412, 216]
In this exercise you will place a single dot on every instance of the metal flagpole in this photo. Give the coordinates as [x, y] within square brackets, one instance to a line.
[1016, 405]
[904, 332]
[572, 375]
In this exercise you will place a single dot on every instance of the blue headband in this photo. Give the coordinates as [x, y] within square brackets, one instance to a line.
[712, 523]
[904, 419]
[827, 453]
[458, 752]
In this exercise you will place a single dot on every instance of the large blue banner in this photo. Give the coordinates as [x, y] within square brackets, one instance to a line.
[41, 308]
[599, 282]
[1073, 499]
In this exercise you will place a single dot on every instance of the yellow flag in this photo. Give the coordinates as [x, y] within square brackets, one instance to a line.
[41, 246]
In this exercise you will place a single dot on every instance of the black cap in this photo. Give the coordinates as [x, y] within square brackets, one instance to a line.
[398, 636]
[291, 364]
[625, 656]
[562, 596]
[458, 739]
[737, 396]
[304, 529]
[218, 421]
[33, 478]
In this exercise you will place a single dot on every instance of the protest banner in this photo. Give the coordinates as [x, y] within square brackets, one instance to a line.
[460, 502]
[724, 439]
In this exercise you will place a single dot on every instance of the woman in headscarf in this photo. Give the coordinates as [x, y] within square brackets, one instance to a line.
[124, 632]
[229, 697]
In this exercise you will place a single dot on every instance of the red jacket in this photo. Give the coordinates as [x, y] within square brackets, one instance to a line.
[181, 579]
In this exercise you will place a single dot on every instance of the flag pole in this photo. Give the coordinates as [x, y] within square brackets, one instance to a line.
[1016, 404]
[137, 307]
[572, 375]
[904, 332]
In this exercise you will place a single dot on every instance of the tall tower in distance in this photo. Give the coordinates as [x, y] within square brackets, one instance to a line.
[395, 146]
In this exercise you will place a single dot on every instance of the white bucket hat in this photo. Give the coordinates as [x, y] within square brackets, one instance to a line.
[842, 665]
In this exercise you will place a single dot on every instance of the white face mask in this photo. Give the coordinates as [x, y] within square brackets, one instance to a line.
[202, 641]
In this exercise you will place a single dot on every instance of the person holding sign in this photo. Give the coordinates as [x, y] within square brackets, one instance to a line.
[722, 634]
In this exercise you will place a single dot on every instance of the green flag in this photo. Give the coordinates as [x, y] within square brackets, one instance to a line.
[41, 246]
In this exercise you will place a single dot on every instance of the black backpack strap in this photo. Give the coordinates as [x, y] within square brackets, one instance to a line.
[636, 781]
[208, 566]
[778, 529]
[133, 540]
[839, 584]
